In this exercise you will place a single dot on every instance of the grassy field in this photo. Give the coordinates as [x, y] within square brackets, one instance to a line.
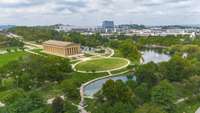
[37, 50]
[119, 71]
[4, 59]
[101, 64]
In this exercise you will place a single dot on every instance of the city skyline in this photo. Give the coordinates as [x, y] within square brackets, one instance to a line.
[93, 12]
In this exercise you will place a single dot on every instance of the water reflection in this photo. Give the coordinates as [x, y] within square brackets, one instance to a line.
[94, 87]
[156, 57]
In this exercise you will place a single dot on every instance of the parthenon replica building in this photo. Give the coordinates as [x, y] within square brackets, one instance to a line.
[61, 48]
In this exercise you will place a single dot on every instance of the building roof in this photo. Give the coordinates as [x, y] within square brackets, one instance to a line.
[58, 43]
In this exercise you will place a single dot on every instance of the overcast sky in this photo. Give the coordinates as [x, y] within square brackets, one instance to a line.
[93, 12]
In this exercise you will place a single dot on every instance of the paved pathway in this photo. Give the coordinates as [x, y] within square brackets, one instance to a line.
[181, 100]
[2, 104]
[32, 52]
[32, 44]
[198, 111]
[112, 52]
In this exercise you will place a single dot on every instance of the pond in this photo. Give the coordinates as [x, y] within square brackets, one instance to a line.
[94, 87]
[148, 56]
[156, 57]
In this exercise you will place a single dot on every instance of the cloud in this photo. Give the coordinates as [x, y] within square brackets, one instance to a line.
[86, 12]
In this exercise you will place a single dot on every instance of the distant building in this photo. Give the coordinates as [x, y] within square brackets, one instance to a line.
[61, 48]
[108, 26]
[71, 28]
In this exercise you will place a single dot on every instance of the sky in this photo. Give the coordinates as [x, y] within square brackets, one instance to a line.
[93, 12]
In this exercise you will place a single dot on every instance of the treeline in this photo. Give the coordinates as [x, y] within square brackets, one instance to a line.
[37, 34]
[164, 41]
[10, 42]
[40, 34]
[86, 40]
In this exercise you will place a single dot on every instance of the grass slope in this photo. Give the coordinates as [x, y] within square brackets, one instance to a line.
[6, 58]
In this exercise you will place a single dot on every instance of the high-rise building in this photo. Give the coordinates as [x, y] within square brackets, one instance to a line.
[108, 24]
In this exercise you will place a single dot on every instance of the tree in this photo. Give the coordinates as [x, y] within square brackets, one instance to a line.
[149, 108]
[69, 108]
[25, 104]
[143, 92]
[37, 100]
[131, 84]
[148, 73]
[117, 91]
[70, 89]
[129, 50]
[164, 94]
[177, 69]
[58, 105]
[193, 85]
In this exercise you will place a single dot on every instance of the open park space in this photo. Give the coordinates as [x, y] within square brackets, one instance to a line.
[8, 57]
[101, 65]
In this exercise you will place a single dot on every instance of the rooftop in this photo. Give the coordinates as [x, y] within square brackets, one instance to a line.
[58, 43]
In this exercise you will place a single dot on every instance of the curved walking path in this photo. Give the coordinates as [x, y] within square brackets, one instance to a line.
[112, 52]
[101, 57]
[2, 104]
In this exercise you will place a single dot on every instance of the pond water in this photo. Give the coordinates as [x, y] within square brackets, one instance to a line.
[148, 56]
[94, 87]
[154, 56]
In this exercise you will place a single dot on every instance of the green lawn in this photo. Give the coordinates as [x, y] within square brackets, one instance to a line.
[4, 59]
[102, 64]
[37, 50]
[119, 71]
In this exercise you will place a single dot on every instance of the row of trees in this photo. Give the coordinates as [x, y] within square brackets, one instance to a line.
[10, 42]
[40, 34]
[86, 40]
[164, 41]
[37, 34]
